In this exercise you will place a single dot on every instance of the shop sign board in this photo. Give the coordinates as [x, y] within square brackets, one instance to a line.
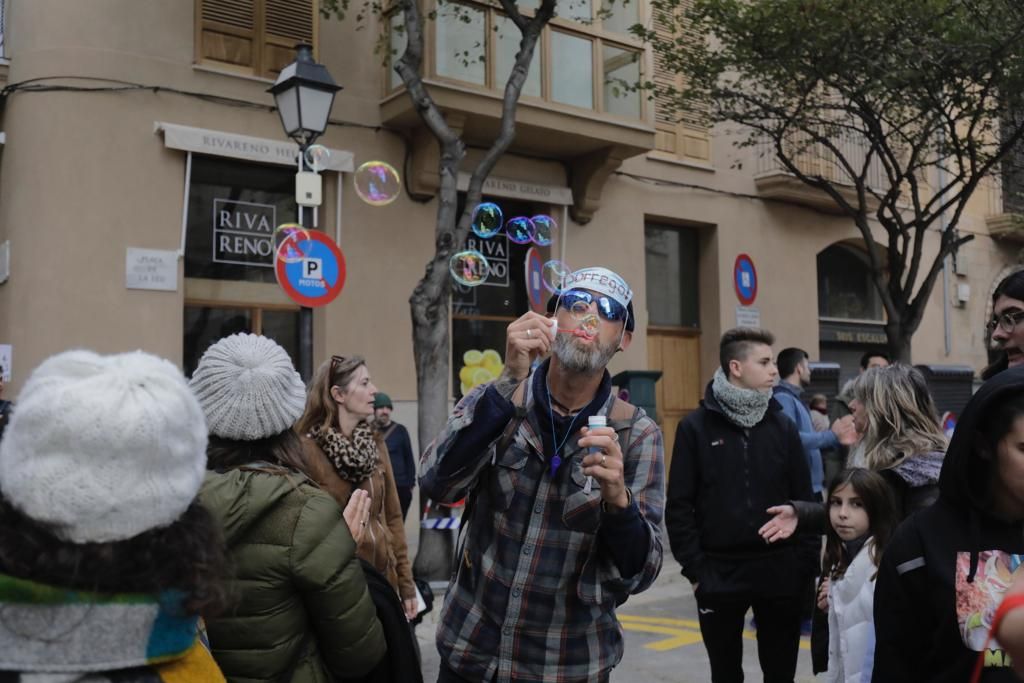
[243, 233]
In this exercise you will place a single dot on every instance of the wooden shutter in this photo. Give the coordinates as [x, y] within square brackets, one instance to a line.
[287, 22]
[683, 133]
[254, 36]
[227, 32]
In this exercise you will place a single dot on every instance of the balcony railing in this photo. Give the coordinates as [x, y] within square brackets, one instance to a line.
[3, 29]
[814, 159]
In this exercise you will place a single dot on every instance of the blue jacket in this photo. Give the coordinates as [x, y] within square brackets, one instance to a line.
[789, 397]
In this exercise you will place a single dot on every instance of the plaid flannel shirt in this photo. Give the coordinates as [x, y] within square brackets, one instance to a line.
[535, 592]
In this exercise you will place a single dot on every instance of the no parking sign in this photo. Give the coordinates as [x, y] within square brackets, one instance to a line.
[745, 279]
[310, 268]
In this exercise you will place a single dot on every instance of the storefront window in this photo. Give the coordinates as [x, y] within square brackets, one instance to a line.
[233, 209]
[480, 314]
[206, 324]
[845, 286]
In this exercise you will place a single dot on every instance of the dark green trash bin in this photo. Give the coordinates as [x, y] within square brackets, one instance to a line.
[640, 385]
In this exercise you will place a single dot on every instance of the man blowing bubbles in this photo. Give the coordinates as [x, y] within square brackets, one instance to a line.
[563, 520]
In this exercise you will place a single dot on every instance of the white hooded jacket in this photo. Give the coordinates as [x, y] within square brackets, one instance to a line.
[851, 628]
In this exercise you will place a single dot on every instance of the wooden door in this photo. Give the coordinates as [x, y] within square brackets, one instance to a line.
[677, 354]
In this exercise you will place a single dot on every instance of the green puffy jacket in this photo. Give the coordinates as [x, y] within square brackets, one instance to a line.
[300, 601]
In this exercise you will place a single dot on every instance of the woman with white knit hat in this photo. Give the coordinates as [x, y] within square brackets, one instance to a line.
[302, 610]
[106, 558]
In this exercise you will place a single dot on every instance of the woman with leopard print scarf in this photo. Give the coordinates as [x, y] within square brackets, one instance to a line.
[344, 454]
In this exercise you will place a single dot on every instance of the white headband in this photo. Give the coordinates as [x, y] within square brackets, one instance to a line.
[603, 281]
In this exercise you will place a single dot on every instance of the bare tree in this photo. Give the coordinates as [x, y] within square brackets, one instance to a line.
[429, 303]
[896, 110]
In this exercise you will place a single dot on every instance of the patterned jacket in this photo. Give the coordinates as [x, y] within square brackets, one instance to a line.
[534, 595]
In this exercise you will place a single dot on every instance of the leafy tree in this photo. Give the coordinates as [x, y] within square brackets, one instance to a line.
[902, 108]
[429, 303]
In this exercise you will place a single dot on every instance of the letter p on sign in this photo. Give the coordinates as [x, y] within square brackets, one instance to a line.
[312, 268]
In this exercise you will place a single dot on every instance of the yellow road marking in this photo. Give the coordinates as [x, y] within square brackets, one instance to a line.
[683, 631]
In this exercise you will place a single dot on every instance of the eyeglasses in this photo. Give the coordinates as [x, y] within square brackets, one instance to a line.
[1006, 322]
[578, 301]
[335, 362]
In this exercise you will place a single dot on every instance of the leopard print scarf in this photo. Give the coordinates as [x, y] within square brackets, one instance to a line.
[354, 459]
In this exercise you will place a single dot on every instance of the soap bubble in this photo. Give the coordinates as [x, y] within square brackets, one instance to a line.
[288, 242]
[317, 157]
[590, 325]
[487, 220]
[469, 268]
[544, 230]
[555, 273]
[377, 183]
[520, 229]
[580, 310]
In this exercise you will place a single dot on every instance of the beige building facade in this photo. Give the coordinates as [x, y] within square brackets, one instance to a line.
[145, 125]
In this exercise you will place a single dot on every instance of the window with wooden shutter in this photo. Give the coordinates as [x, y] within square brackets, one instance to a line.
[256, 37]
[682, 133]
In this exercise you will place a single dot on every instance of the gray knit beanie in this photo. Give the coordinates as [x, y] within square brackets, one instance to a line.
[248, 388]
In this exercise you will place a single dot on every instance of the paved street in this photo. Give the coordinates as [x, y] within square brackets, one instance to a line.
[662, 638]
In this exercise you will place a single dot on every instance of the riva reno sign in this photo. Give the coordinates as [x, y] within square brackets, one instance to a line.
[243, 233]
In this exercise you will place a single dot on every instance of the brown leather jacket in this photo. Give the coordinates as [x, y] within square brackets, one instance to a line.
[383, 543]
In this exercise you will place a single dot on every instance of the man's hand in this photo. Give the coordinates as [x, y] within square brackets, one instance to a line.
[605, 465]
[526, 338]
[781, 526]
[357, 513]
[845, 430]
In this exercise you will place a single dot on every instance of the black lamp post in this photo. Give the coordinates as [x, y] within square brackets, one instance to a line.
[304, 93]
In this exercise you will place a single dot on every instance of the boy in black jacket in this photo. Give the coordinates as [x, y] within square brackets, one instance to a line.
[734, 457]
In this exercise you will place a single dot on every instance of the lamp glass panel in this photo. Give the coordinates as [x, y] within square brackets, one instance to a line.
[288, 107]
[315, 107]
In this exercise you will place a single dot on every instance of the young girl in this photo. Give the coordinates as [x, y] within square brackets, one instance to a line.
[862, 516]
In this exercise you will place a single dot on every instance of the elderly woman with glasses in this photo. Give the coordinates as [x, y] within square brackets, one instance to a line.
[347, 458]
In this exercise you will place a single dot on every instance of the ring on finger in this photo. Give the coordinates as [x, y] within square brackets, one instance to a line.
[529, 333]
[603, 458]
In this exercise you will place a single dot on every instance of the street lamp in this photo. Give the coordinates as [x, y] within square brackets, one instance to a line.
[304, 93]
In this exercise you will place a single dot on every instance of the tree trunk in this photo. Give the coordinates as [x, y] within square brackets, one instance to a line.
[899, 341]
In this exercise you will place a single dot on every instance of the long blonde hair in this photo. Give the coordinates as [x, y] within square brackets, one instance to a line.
[901, 416]
[321, 409]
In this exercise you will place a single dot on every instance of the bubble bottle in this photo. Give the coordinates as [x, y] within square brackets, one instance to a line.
[592, 422]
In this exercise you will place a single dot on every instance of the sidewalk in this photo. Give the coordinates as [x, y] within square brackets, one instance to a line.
[669, 601]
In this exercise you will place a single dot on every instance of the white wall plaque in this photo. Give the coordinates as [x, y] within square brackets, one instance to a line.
[151, 269]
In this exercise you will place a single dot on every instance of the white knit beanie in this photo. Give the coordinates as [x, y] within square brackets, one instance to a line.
[248, 388]
[103, 448]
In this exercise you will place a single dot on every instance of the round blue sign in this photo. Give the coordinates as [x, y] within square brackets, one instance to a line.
[315, 273]
[745, 279]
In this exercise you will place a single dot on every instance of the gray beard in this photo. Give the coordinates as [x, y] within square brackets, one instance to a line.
[585, 361]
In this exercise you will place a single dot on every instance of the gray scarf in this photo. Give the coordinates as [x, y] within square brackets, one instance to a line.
[745, 407]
